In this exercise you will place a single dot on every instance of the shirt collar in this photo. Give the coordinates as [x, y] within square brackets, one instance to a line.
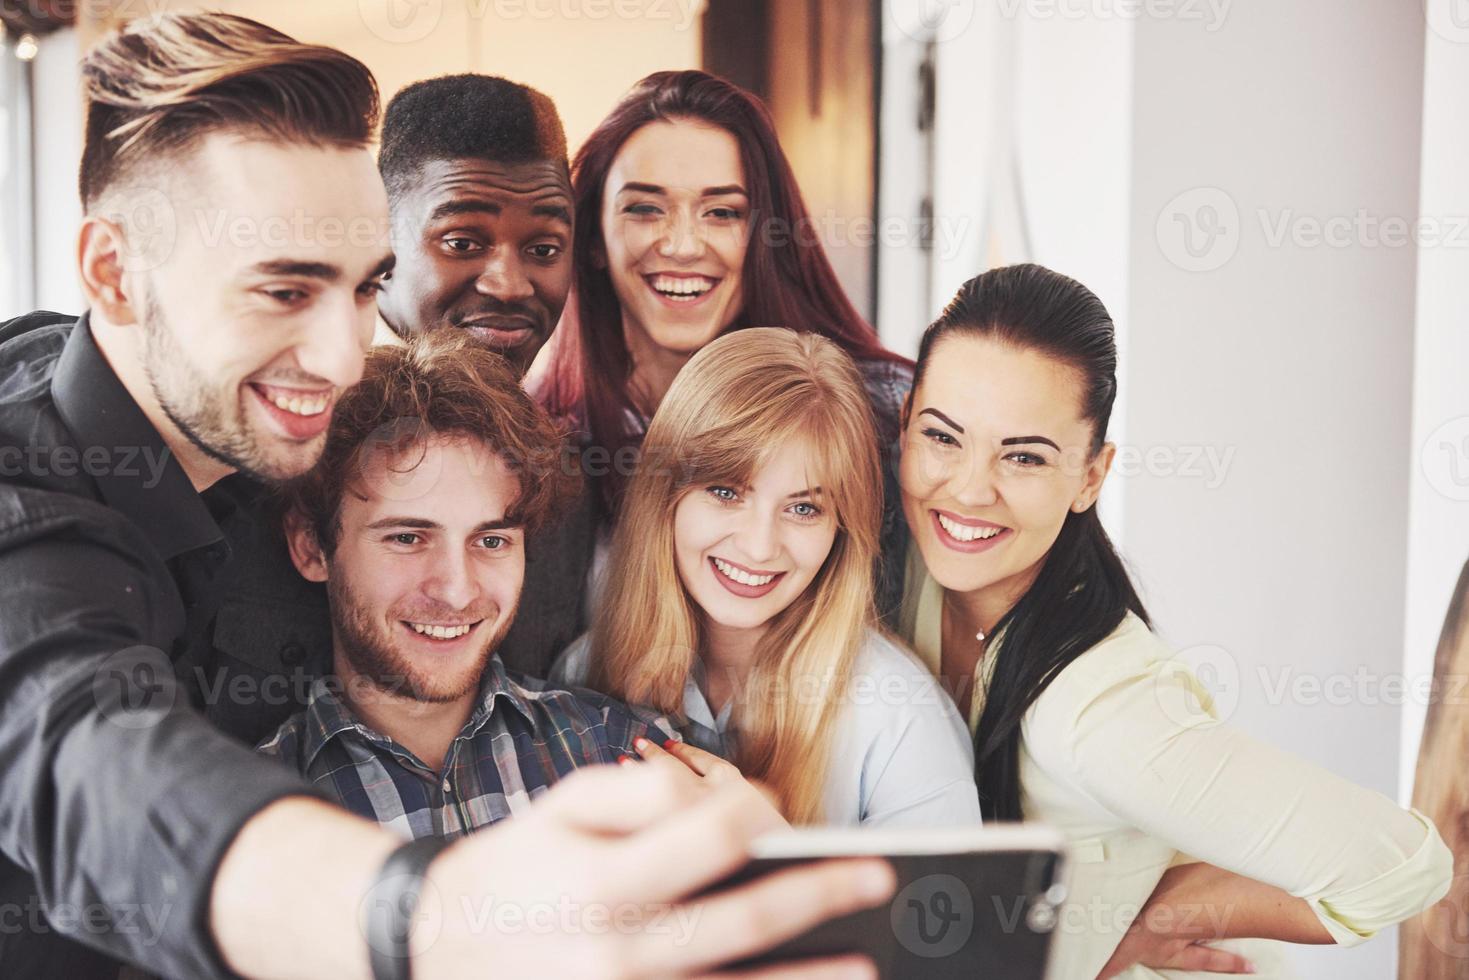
[328, 715]
[141, 480]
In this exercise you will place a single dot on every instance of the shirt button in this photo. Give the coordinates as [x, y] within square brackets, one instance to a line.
[447, 787]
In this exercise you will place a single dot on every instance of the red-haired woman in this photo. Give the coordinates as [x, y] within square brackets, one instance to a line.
[689, 224]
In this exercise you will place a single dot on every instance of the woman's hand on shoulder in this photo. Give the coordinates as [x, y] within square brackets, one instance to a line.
[705, 768]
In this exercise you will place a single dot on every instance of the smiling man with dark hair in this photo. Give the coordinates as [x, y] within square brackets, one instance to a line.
[480, 198]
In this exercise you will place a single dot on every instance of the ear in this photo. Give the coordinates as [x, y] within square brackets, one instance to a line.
[101, 255]
[1096, 475]
[306, 553]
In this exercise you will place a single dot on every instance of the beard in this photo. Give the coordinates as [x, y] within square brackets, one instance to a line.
[210, 417]
[367, 645]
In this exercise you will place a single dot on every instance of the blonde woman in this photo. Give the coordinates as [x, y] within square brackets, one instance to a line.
[741, 595]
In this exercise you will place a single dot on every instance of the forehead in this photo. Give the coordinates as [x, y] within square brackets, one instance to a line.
[682, 153]
[1000, 389]
[322, 203]
[789, 465]
[527, 184]
[451, 480]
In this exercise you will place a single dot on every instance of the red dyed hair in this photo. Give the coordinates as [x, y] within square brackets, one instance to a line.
[788, 281]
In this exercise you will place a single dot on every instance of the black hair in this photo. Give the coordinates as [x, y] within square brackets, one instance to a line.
[1082, 592]
[466, 116]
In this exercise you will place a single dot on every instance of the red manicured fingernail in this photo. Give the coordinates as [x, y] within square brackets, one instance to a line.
[670, 743]
[623, 760]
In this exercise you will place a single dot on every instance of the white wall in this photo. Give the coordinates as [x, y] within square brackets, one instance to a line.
[1296, 357]
[1438, 529]
[58, 123]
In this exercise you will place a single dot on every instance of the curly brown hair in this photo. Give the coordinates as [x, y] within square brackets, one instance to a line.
[439, 383]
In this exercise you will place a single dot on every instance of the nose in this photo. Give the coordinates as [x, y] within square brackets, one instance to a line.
[504, 276]
[336, 341]
[757, 537]
[452, 582]
[974, 485]
[683, 239]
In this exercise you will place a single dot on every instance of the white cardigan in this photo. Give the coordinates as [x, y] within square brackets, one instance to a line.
[1125, 755]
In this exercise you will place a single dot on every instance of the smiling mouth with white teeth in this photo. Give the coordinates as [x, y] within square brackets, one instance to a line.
[741, 576]
[437, 632]
[967, 532]
[681, 289]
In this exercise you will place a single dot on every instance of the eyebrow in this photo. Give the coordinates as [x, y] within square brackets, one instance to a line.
[1022, 440]
[324, 271]
[810, 492]
[1012, 441]
[715, 191]
[295, 267]
[944, 419]
[424, 524]
[450, 209]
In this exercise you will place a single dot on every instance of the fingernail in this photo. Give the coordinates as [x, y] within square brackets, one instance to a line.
[1250, 968]
[623, 760]
[640, 743]
[670, 743]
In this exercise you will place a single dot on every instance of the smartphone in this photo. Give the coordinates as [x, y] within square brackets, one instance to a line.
[971, 903]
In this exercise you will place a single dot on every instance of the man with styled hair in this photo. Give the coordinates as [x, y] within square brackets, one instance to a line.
[481, 206]
[131, 828]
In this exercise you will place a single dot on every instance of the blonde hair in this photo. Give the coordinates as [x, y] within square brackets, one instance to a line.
[735, 403]
[157, 85]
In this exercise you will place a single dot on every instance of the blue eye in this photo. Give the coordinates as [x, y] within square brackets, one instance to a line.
[723, 494]
[806, 509]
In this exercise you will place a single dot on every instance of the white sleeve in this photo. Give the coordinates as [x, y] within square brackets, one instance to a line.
[1141, 738]
[918, 761]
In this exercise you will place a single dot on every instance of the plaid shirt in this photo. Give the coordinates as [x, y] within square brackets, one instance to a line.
[522, 737]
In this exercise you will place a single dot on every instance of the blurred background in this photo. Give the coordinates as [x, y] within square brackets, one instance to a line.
[1271, 196]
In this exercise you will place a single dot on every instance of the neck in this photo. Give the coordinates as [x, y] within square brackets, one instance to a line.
[122, 349]
[980, 611]
[427, 729]
[653, 368]
[729, 655]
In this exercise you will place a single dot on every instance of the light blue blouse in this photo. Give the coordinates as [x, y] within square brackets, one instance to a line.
[900, 756]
